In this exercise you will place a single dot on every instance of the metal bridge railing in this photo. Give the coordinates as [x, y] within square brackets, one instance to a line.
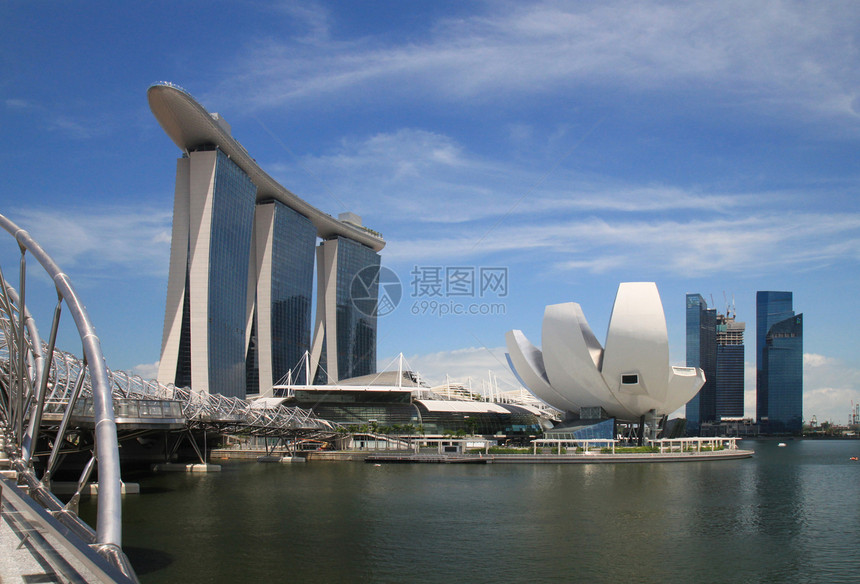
[25, 385]
[200, 410]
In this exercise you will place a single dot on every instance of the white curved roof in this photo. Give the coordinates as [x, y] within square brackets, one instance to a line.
[189, 125]
[462, 406]
[628, 378]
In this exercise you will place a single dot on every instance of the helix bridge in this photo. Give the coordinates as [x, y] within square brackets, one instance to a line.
[56, 407]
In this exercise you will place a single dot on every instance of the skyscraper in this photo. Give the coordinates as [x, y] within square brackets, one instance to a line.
[715, 342]
[204, 325]
[730, 367]
[238, 313]
[284, 263]
[701, 353]
[779, 364]
[344, 334]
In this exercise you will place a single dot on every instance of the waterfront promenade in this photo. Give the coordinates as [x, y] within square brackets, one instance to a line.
[552, 451]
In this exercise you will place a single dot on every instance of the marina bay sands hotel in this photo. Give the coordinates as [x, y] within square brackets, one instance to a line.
[239, 294]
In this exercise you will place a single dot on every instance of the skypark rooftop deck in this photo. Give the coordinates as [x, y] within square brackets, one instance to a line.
[191, 126]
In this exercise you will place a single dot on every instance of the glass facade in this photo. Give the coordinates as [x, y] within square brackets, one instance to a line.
[779, 363]
[701, 352]
[730, 367]
[604, 430]
[233, 200]
[183, 363]
[388, 408]
[730, 381]
[356, 331]
[252, 359]
[782, 361]
[293, 243]
[516, 422]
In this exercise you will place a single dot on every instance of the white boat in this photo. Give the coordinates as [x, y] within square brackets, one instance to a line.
[781, 444]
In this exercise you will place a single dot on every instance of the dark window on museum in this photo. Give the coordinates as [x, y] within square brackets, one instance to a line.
[629, 379]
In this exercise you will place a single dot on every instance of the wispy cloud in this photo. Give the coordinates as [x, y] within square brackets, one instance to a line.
[431, 178]
[685, 248]
[146, 370]
[783, 52]
[437, 201]
[18, 104]
[63, 119]
[102, 243]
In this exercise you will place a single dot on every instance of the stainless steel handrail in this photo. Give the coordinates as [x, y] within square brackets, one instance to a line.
[109, 514]
[72, 535]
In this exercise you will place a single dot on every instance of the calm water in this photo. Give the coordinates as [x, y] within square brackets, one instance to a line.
[786, 515]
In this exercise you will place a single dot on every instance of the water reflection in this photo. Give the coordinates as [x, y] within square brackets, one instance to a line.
[786, 515]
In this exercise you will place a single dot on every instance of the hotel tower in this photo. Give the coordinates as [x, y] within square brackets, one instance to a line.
[240, 288]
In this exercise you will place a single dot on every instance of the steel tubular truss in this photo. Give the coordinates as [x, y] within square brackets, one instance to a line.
[24, 386]
[198, 410]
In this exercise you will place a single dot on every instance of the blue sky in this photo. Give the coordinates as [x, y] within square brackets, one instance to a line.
[710, 147]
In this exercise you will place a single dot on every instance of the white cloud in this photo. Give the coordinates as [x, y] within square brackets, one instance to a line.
[749, 390]
[769, 53]
[18, 104]
[431, 178]
[103, 241]
[813, 360]
[829, 387]
[761, 242]
[146, 370]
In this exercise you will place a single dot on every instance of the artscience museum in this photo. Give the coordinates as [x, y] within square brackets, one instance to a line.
[629, 379]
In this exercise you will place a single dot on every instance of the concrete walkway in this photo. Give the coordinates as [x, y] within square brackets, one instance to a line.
[17, 562]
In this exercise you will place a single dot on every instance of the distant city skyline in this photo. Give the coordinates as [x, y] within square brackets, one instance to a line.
[574, 145]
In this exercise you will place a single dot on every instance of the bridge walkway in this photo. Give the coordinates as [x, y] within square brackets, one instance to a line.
[36, 547]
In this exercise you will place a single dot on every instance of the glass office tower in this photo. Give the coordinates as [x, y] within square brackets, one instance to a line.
[292, 290]
[702, 353]
[730, 368]
[779, 364]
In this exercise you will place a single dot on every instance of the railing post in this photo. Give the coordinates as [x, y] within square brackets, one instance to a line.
[29, 445]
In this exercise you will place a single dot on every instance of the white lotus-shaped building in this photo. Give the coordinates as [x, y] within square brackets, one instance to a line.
[629, 378]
